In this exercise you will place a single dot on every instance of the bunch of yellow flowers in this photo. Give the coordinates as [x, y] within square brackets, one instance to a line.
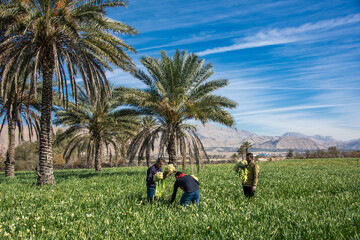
[158, 176]
[194, 177]
[169, 169]
[241, 169]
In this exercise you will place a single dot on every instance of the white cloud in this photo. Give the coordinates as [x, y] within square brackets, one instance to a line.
[288, 109]
[284, 35]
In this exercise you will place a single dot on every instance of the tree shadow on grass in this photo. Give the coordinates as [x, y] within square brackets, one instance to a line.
[22, 177]
[30, 177]
[63, 175]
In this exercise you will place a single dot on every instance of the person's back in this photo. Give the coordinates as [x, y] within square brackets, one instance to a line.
[189, 185]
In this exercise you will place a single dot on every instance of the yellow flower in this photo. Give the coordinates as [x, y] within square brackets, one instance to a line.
[158, 176]
[195, 177]
[169, 169]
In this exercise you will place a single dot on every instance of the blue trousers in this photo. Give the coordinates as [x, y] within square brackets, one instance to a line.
[150, 193]
[192, 196]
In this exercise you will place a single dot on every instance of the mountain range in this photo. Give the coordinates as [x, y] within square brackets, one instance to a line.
[214, 136]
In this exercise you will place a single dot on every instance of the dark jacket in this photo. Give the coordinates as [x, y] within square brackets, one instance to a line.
[186, 183]
[150, 174]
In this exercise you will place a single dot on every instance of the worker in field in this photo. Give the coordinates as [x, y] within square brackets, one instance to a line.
[150, 183]
[249, 185]
[189, 185]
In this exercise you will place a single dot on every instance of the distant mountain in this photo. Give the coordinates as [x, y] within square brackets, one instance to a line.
[291, 143]
[214, 136]
[350, 145]
[293, 134]
[316, 137]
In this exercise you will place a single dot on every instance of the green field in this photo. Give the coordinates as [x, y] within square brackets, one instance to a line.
[295, 199]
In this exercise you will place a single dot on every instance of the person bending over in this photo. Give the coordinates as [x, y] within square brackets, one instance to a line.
[190, 186]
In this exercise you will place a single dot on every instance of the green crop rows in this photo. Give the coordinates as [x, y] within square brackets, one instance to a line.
[295, 199]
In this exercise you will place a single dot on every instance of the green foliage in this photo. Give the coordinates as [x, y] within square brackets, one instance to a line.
[68, 38]
[295, 199]
[332, 152]
[234, 157]
[178, 90]
[143, 142]
[244, 148]
[26, 156]
[290, 154]
[93, 127]
[2, 162]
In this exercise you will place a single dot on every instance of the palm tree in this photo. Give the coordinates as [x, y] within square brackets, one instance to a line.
[18, 109]
[63, 38]
[143, 142]
[244, 148]
[93, 127]
[177, 91]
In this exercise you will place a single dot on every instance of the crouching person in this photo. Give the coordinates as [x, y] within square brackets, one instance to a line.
[190, 187]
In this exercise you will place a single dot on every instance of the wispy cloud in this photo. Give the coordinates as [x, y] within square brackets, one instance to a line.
[284, 35]
[288, 109]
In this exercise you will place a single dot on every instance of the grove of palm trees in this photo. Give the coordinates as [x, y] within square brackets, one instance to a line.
[104, 122]
[47, 46]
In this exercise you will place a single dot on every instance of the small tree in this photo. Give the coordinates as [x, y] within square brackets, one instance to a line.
[290, 153]
[333, 152]
[244, 148]
[307, 154]
[234, 157]
[58, 161]
[93, 127]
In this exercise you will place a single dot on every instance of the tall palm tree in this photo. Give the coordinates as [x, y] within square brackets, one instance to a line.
[93, 127]
[18, 109]
[177, 91]
[63, 38]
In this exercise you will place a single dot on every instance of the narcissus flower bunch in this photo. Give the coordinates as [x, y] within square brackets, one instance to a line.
[241, 169]
[158, 176]
[160, 184]
[169, 169]
[194, 177]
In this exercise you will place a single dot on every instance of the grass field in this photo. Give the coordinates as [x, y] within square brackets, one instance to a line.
[295, 199]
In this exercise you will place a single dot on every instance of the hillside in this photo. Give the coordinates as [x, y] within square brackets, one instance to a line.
[214, 136]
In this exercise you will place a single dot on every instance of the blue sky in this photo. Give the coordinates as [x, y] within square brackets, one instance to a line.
[292, 65]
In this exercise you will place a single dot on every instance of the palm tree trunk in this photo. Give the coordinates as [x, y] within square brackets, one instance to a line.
[148, 153]
[10, 158]
[98, 156]
[46, 174]
[172, 149]
[183, 154]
